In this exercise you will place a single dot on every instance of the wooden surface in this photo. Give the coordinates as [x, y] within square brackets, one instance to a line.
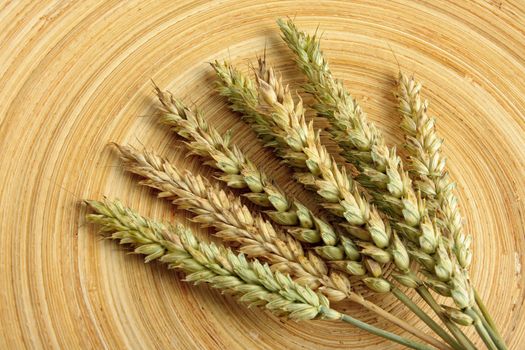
[75, 75]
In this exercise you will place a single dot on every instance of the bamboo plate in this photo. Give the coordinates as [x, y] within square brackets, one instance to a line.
[75, 75]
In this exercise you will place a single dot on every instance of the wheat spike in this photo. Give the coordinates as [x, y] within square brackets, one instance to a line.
[363, 145]
[252, 282]
[289, 139]
[331, 182]
[243, 98]
[428, 165]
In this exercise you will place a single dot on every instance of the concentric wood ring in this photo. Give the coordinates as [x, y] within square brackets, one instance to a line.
[75, 75]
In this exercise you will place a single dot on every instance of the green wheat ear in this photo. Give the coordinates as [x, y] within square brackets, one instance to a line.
[252, 282]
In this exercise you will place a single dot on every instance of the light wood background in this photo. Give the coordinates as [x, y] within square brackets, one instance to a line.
[75, 75]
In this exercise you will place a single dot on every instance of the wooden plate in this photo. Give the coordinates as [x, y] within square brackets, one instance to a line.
[75, 75]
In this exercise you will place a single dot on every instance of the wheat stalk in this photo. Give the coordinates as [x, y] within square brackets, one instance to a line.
[256, 236]
[252, 282]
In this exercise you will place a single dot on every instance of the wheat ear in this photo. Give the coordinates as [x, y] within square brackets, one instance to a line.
[332, 183]
[428, 165]
[243, 98]
[362, 143]
[175, 245]
[429, 169]
[252, 282]
[294, 155]
[344, 200]
[240, 172]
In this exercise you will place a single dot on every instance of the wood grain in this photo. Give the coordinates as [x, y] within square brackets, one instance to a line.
[75, 75]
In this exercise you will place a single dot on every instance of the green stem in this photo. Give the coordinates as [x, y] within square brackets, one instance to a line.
[500, 344]
[380, 332]
[484, 310]
[453, 328]
[398, 322]
[425, 318]
[480, 329]
[488, 322]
